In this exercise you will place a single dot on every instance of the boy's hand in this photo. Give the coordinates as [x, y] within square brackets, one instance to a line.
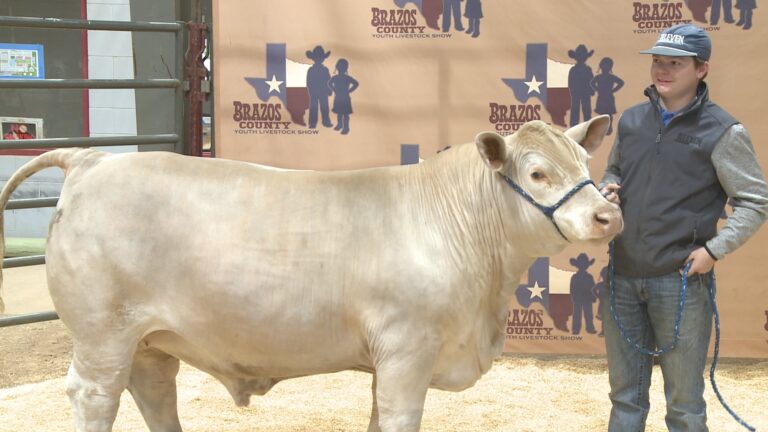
[701, 262]
[611, 193]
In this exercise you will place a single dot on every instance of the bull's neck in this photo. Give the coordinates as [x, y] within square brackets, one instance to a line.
[456, 192]
[465, 201]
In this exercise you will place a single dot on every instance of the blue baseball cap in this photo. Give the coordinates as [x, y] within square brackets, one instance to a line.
[682, 40]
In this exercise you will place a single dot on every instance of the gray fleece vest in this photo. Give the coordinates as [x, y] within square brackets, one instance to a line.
[670, 194]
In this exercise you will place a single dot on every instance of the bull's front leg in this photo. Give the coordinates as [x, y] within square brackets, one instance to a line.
[373, 425]
[404, 359]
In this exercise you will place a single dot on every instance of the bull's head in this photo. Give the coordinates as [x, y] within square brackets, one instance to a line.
[543, 174]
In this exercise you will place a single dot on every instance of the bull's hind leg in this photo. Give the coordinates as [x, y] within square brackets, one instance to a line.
[97, 377]
[153, 387]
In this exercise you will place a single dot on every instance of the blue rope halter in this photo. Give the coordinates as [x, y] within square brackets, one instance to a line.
[549, 212]
[678, 318]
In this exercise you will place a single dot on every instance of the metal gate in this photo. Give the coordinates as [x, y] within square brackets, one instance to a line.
[193, 90]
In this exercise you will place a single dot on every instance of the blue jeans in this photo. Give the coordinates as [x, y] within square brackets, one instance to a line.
[646, 308]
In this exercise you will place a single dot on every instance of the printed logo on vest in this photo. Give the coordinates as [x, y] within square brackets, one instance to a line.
[427, 19]
[290, 88]
[689, 140]
[561, 88]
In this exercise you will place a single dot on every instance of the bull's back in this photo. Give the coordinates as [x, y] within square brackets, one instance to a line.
[277, 262]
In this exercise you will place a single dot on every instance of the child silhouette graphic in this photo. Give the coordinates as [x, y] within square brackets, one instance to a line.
[317, 86]
[342, 85]
[745, 8]
[606, 84]
[579, 77]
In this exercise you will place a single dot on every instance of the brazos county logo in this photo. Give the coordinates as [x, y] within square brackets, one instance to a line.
[290, 88]
[427, 19]
[569, 299]
[559, 87]
[527, 322]
[654, 17]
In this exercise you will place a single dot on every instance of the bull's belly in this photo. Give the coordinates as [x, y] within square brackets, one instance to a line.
[256, 371]
[241, 359]
[247, 371]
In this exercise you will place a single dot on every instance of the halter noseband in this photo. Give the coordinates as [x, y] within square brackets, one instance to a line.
[549, 212]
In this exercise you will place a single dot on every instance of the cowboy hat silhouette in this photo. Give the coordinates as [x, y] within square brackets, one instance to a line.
[580, 53]
[582, 261]
[318, 54]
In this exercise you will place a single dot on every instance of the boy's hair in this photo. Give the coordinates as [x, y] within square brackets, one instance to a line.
[697, 62]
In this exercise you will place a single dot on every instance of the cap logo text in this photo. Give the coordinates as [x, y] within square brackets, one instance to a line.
[671, 39]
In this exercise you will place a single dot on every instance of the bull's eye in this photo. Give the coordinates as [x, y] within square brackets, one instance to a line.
[536, 175]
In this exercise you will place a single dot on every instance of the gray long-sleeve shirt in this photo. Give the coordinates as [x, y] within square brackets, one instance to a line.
[742, 180]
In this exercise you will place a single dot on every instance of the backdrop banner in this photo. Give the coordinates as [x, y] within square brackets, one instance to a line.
[347, 84]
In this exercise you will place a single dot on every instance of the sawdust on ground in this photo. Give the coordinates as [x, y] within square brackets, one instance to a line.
[520, 393]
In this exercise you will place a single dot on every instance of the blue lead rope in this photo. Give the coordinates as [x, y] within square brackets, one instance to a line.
[678, 318]
[678, 314]
[711, 291]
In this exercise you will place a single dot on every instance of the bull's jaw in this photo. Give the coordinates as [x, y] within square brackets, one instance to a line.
[597, 234]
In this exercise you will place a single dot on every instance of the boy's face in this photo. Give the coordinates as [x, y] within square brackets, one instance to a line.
[676, 77]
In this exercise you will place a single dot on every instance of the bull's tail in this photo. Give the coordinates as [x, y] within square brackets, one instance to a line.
[62, 158]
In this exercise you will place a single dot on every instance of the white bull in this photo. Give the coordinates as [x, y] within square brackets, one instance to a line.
[255, 275]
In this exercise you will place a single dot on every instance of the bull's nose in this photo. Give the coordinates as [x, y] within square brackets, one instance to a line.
[608, 222]
[603, 218]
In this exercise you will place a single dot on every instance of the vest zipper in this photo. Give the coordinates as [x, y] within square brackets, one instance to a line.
[658, 142]
[695, 232]
[641, 215]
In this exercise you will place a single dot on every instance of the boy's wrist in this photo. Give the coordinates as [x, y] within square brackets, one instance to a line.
[706, 248]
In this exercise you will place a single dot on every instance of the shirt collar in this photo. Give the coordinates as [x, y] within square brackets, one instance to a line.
[702, 95]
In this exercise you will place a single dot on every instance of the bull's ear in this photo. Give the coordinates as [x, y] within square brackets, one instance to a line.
[492, 148]
[590, 134]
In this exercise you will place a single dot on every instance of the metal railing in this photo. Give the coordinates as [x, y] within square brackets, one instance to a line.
[175, 138]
